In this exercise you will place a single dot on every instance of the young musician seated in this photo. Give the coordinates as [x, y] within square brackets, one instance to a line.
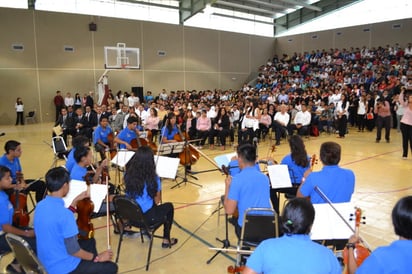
[11, 159]
[58, 247]
[144, 186]
[6, 216]
[249, 188]
[129, 133]
[274, 255]
[100, 137]
[78, 141]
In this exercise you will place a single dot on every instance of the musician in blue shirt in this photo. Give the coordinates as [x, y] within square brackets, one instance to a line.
[78, 141]
[170, 130]
[101, 136]
[57, 234]
[11, 160]
[129, 133]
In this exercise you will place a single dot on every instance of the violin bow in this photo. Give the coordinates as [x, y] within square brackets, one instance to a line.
[324, 197]
[108, 215]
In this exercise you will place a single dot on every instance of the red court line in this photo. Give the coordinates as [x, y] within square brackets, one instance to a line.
[370, 157]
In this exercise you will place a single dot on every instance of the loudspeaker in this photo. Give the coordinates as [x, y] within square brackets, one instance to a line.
[92, 27]
[138, 91]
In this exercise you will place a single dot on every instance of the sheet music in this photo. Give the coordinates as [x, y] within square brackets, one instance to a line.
[166, 166]
[224, 159]
[98, 193]
[169, 148]
[122, 157]
[328, 225]
[279, 176]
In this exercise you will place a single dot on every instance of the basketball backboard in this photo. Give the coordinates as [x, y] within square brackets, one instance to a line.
[121, 57]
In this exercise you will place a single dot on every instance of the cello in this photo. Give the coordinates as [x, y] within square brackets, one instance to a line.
[85, 209]
[190, 154]
[21, 217]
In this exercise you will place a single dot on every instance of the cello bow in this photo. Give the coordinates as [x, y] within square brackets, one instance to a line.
[108, 215]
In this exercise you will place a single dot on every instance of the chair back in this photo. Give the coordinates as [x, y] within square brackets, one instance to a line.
[129, 212]
[31, 114]
[25, 254]
[259, 224]
[59, 146]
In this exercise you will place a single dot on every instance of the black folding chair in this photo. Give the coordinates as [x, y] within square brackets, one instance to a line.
[259, 224]
[25, 254]
[129, 213]
[59, 149]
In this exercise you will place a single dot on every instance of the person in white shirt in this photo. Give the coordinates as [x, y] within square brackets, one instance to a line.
[68, 100]
[301, 122]
[342, 115]
[142, 113]
[133, 100]
[280, 123]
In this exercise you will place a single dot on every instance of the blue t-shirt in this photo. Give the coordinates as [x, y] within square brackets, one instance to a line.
[127, 136]
[295, 172]
[169, 135]
[101, 134]
[52, 224]
[145, 201]
[78, 172]
[335, 182]
[6, 210]
[14, 166]
[70, 162]
[293, 254]
[250, 188]
[395, 258]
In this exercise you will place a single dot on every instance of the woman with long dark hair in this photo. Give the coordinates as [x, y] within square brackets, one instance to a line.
[298, 163]
[19, 106]
[170, 129]
[144, 186]
[342, 115]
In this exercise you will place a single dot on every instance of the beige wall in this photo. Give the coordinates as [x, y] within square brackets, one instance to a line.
[380, 34]
[195, 58]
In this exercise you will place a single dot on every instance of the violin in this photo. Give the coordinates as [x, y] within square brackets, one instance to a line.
[360, 252]
[235, 269]
[21, 217]
[85, 209]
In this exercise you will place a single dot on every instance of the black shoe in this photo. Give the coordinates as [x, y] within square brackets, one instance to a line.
[277, 143]
[173, 241]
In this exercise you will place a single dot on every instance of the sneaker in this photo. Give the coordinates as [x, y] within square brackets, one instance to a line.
[404, 157]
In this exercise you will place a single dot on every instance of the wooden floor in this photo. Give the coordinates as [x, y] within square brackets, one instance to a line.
[382, 177]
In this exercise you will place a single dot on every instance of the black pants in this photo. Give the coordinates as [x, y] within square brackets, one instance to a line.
[406, 137]
[246, 135]
[342, 125]
[90, 267]
[20, 118]
[383, 122]
[159, 213]
[279, 130]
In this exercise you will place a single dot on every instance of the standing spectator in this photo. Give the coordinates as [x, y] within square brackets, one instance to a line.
[58, 103]
[383, 119]
[342, 115]
[406, 122]
[19, 111]
[68, 100]
[89, 100]
[77, 101]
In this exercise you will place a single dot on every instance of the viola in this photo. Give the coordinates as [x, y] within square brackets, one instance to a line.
[235, 269]
[85, 209]
[360, 251]
[21, 217]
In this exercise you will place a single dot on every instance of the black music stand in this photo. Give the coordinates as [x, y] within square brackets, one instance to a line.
[225, 242]
[186, 174]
